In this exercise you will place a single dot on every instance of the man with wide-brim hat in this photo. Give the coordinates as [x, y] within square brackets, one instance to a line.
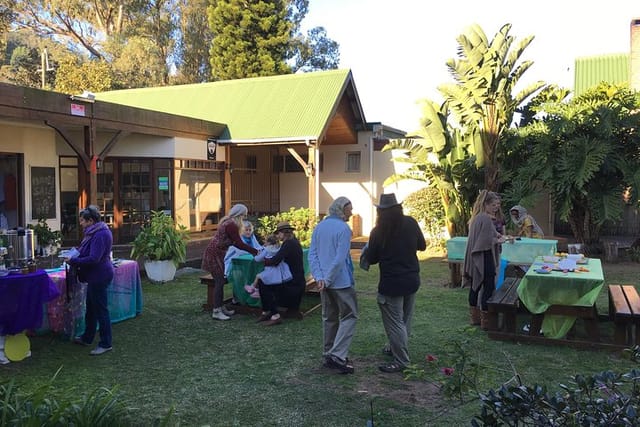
[393, 243]
[288, 294]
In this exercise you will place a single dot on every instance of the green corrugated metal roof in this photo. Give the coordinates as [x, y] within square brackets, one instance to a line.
[277, 107]
[591, 71]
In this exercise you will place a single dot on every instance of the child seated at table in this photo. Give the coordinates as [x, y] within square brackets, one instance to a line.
[271, 275]
[247, 236]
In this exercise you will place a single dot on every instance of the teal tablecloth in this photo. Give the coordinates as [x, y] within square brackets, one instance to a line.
[244, 270]
[538, 291]
[522, 251]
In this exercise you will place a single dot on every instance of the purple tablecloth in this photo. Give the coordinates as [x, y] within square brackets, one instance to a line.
[21, 300]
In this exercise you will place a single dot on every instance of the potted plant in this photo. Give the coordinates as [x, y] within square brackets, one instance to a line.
[163, 244]
[47, 241]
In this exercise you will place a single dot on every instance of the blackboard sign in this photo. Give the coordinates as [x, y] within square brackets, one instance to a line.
[43, 193]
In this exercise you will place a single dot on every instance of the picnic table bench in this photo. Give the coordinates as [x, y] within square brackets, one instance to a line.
[505, 302]
[624, 310]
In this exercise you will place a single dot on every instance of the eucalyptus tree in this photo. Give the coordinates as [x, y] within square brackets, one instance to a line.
[136, 37]
[442, 156]
[586, 154]
[482, 98]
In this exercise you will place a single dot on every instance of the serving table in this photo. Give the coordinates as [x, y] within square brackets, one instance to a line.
[520, 252]
[558, 298]
[65, 314]
[21, 299]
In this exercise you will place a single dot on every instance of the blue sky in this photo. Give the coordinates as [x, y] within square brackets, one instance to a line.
[397, 49]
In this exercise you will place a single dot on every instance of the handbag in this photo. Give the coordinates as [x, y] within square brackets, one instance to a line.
[364, 258]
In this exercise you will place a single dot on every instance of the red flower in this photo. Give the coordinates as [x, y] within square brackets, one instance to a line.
[447, 371]
[431, 358]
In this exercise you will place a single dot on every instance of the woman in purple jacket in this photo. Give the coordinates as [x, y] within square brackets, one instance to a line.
[94, 267]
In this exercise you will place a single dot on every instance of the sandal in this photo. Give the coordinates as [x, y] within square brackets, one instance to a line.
[391, 367]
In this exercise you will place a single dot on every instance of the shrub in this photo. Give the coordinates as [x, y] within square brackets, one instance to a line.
[302, 219]
[606, 398]
[161, 239]
[426, 207]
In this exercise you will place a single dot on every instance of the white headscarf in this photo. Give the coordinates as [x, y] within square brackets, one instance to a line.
[337, 207]
[237, 210]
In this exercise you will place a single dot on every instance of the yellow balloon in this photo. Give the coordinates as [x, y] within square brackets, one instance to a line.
[16, 347]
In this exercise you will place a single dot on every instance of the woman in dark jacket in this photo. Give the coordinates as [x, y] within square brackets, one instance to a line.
[93, 265]
[393, 243]
[289, 294]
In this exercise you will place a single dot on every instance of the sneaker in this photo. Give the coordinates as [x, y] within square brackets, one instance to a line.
[100, 350]
[228, 312]
[391, 367]
[79, 341]
[219, 315]
[343, 366]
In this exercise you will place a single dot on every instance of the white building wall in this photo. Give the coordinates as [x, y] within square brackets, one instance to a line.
[294, 190]
[37, 144]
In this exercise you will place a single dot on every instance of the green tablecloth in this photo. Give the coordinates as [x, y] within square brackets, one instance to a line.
[244, 270]
[522, 251]
[538, 291]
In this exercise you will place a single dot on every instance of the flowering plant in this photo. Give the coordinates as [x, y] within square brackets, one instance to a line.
[455, 373]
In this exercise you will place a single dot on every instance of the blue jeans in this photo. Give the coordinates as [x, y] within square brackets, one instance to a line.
[97, 314]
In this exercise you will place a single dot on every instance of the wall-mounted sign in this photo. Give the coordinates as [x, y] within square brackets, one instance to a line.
[77, 110]
[163, 183]
[212, 144]
[43, 193]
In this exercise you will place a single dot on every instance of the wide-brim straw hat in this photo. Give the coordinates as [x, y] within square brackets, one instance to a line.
[284, 226]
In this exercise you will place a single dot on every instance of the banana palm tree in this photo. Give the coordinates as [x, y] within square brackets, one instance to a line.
[443, 157]
[482, 97]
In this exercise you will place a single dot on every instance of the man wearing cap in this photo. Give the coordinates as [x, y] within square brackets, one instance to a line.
[331, 266]
[393, 244]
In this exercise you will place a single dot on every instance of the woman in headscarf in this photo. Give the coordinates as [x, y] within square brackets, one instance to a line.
[228, 234]
[526, 224]
[93, 266]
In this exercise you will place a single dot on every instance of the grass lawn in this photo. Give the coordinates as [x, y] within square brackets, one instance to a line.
[239, 373]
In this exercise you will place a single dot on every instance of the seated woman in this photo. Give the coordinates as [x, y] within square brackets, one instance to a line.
[525, 223]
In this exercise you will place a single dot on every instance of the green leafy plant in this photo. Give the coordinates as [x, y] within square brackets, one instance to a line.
[606, 398]
[425, 205]
[161, 239]
[302, 219]
[44, 234]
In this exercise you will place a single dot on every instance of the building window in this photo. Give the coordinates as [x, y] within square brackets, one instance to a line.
[353, 162]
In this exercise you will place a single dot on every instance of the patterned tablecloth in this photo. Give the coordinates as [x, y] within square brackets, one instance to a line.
[65, 314]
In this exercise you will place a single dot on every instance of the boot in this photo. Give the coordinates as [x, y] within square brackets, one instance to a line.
[219, 315]
[474, 315]
[484, 320]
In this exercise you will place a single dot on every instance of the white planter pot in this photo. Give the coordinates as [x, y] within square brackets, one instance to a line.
[160, 271]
